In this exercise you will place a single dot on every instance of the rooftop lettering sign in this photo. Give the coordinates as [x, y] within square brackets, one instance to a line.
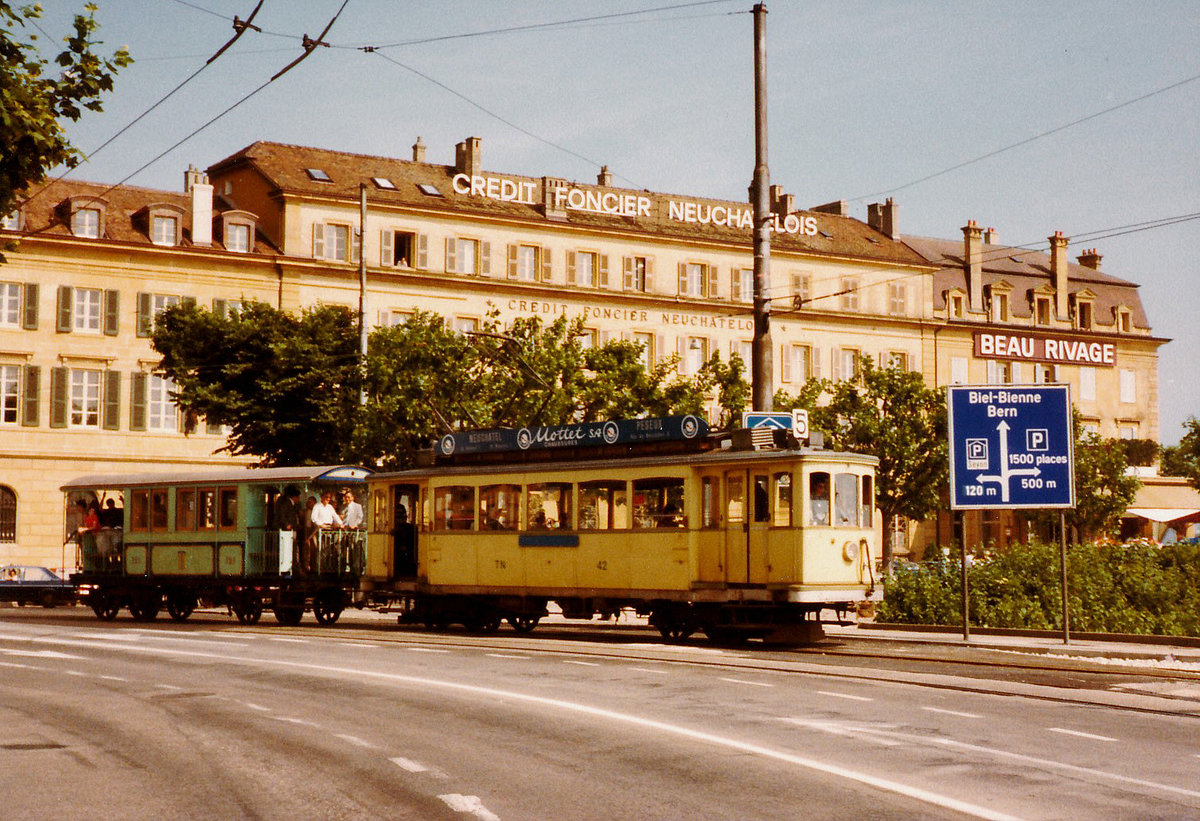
[625, 204]
[587, 434]
[1040, 348]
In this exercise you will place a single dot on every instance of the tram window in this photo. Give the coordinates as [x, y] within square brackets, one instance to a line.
[868, 502]
[845, 500]
[139, 514]
[498, 505]
[548, 506]
[782, 484]
[710, 508]
[158, 509]
[454, 508]
[658, 503]
[379, 507]
[227, 508]
[603, 505]
[185, 509]
[206, 508]
[762, 500]
[735, 504]
[818, 499]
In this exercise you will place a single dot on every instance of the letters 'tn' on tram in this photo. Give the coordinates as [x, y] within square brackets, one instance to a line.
[741, 536]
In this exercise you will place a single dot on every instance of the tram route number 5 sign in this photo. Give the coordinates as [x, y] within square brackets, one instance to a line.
[1011, 446]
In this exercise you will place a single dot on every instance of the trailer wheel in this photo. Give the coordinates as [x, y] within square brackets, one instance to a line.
[249, 610]
[327, 607]
[180, 605]
[145, 607]
[524, 623]
[105, 607]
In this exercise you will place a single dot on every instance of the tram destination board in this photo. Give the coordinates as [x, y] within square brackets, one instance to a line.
[1011, 446]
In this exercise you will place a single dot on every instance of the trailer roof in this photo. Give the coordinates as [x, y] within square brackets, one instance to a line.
[302, 473]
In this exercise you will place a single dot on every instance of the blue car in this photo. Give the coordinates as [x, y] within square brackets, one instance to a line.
[28, 584]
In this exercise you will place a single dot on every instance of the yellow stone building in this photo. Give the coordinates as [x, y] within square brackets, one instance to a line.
[283, 224]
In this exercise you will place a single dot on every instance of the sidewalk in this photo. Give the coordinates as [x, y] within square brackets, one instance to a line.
[1153, 648]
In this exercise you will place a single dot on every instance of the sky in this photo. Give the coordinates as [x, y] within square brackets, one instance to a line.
[1029, 117]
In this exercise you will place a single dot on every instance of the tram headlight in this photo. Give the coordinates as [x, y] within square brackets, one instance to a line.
[850, 551]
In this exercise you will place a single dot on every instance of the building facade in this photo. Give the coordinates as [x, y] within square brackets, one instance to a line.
[283, 224]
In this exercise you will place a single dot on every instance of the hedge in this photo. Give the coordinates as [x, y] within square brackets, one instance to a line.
[1139, 587]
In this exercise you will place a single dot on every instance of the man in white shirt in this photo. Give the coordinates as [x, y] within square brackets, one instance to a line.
[324, 515]
[352, 512]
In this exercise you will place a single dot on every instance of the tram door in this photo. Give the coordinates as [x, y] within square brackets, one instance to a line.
[405, 513]
[747, 519]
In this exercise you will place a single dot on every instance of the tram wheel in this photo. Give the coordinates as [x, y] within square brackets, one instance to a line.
[524, 623]
[105, 608]
[145, 607]
[180, 605]
[327, 607]
[249, 610]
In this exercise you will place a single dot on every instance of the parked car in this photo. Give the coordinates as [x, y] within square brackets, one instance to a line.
[29, 584]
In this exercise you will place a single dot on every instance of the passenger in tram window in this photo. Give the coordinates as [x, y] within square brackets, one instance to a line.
[539, 521]
[670, 517]
[818, 496]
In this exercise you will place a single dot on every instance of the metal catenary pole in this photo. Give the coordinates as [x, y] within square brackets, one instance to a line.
[362, 290]
[1062, 547]
[761, 353]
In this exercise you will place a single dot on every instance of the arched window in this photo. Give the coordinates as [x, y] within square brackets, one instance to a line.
[8, 514]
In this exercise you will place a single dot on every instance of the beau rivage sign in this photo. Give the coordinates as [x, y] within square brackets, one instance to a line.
[625, 204]
[1044, 348]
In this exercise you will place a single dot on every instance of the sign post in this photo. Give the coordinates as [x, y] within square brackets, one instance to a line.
[1011, 446]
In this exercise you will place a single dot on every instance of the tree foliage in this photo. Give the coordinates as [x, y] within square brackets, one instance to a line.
[1184, 458]
[34, 101]
[286, 386]
[289, 387]
[888, 413]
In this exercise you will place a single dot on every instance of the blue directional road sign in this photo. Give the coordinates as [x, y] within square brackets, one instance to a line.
[772, 421]
[1011, 446]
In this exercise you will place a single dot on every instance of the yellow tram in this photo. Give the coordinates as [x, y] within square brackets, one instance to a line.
[734, 535]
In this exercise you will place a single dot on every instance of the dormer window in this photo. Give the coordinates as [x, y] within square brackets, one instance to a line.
[998, 302]
[1083, 315]
[954, 305]
[317, 174]
[85, 222]
[238, 230]
[164, 230]
[1042, 310]
[1124, 320]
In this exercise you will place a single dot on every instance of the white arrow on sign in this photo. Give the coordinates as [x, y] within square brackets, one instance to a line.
[1005, 470]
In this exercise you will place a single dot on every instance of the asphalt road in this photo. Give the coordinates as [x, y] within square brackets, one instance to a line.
[212, 720]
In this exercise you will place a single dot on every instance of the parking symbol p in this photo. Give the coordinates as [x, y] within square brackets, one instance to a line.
[1037, 439]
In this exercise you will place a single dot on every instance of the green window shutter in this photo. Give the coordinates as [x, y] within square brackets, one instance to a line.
[512, 262]
[220, 307]
[58, 396]
[604, 270]
[112, 400]
[145, 324]
[713, 282]
[187, 301]
[546, 269]
[485, 258]
[570, 267]
[112, 312]
[29, 316]
[422, 252]
[387, 254]
[451, 255]
[137, 402]
[31, 409]
[65, 297]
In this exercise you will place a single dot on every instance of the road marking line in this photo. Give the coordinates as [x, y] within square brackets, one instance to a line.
[816, 765]
[425, 650]
[408, 765]
[950, 712]
[113, 678]
[1050, 764]
[78, 673]
[357, 644]
[258, 707]
[507, 656]
[167, 687]
[751, 683]
[293, 641]
[1079, 734]
[356, 741]
[469, 804]
[20, 666]
[581, 663]
[302, 721]
[844, 695]
[651, 670]
[42, 654]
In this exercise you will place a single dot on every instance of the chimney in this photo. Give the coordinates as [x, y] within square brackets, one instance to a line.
[882, 217]
[552, 207]
[973, 264]
[990, 236]
[776, 192]
[468, 158]
[838, 207]
[787, 204]
[195, 182]
[1058, 267]
[418, 151]
[604, 177]
[1090, 259]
